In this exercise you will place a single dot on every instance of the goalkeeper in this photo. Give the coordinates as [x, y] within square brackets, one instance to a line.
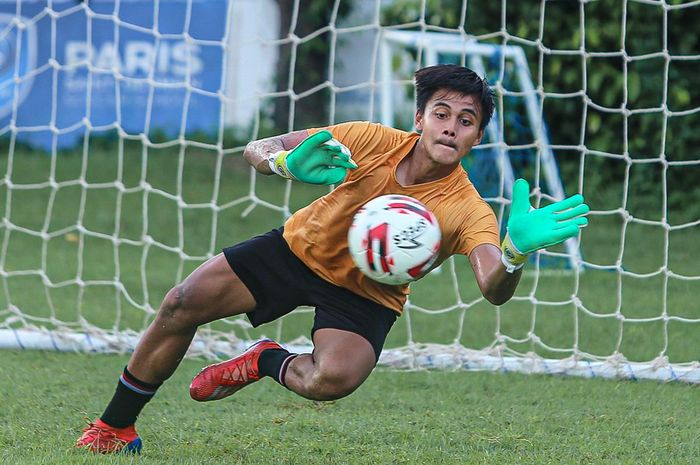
[306, 262]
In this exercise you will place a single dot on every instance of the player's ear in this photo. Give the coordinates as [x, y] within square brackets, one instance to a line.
[418, 121]
[478, 139]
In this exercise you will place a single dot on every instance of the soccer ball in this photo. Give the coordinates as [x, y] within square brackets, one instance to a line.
[394, 239]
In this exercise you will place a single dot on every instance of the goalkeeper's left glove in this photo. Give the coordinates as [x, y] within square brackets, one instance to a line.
[530, 229]
[318, 159]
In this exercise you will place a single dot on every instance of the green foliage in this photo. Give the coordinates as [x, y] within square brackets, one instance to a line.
[623, 68]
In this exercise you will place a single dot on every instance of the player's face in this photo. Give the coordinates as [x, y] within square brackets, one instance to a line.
[449, 126]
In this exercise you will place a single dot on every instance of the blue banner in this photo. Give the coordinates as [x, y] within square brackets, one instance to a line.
[85, 68]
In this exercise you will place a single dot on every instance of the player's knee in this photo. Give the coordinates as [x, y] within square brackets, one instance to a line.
[173, 302]
[331, 384]
[175, 308]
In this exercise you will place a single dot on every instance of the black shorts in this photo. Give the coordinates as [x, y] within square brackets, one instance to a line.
[280, 282]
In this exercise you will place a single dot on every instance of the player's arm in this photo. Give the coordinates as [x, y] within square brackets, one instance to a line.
[497, 285]
[257, 153]
[315, 159]
[529, 229]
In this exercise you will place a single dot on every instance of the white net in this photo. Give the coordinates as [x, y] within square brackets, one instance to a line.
[123, 125]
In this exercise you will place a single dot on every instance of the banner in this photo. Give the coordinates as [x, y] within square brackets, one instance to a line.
[80, 68]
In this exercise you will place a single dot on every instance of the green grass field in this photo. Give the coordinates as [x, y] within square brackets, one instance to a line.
[394, 418]
[66, 213]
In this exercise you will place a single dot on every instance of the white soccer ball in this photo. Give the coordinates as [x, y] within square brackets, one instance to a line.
[394, 239]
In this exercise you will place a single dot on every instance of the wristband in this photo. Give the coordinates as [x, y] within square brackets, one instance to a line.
[278, 164]
[511, 257]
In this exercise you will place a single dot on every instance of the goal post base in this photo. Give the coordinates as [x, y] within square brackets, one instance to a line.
[410, 357]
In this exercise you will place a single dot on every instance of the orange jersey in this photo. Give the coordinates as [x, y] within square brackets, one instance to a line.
[317, 234]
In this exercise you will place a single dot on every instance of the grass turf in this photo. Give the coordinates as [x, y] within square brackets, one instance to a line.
[394, 418]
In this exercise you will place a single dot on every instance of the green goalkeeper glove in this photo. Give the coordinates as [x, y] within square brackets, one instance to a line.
[530, 229]
[318, 159]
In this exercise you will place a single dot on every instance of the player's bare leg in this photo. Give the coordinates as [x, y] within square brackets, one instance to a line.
[211, 292]
[340, 362]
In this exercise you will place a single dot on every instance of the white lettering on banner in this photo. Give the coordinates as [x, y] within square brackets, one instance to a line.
[138, 57]
[180, 53]
[178, 58]
[163, 57]
[76, 52]
[108, 57]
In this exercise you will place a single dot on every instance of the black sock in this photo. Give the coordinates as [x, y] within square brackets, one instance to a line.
[129, 399]
[274, 362]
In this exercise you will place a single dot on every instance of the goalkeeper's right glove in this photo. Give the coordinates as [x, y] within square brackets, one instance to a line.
[318, 159]
[530, 229]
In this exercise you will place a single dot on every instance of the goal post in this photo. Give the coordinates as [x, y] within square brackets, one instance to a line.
[122, 126]
[437, 47]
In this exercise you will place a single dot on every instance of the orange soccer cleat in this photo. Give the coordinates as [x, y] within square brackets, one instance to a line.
[101, 438]
[223, 379]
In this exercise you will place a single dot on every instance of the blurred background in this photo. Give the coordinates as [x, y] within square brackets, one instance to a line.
[611, 77]
[122, 125]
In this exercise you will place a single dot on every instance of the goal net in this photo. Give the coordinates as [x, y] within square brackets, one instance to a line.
[122, 126]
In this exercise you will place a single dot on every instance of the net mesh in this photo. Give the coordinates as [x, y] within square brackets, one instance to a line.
[122, 170]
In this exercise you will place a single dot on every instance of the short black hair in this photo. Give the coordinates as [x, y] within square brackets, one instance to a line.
[454, 78]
